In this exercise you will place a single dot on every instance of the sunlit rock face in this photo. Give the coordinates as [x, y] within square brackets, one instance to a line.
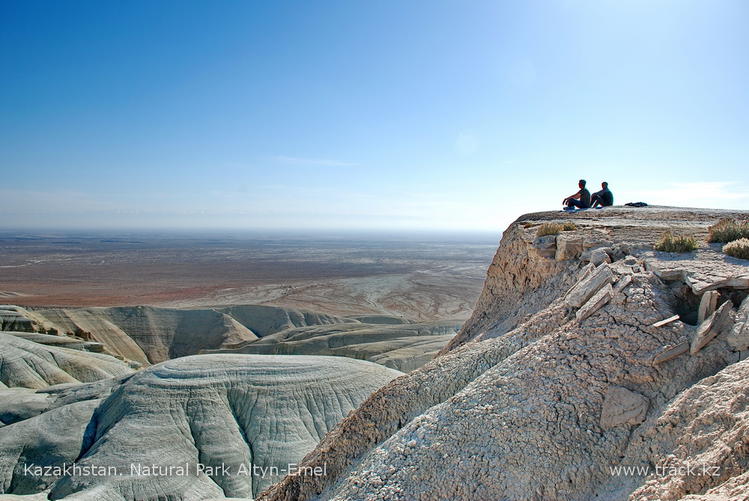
[587, 351]
[147, 334]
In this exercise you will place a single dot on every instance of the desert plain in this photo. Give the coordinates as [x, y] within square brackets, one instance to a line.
[423, 277]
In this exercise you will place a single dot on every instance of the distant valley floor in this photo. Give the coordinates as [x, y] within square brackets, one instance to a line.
[419, 279]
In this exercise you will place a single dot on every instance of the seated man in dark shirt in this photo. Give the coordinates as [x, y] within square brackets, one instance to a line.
[604, 198]
[581, 199]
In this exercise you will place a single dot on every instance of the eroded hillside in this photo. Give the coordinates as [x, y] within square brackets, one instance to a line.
[588, 351]
[593, 367]
[141, 335]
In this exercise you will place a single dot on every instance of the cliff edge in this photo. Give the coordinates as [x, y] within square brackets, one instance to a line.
[593, 366]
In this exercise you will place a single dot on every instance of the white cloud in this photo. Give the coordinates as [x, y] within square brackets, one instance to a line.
[715, 194]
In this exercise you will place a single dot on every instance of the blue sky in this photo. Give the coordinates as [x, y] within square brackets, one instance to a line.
[365, 114]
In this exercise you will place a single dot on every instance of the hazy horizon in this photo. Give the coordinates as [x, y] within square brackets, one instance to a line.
[248, 234]
[381, 116]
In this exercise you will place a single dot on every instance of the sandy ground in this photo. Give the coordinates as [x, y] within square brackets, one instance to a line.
[422, 280]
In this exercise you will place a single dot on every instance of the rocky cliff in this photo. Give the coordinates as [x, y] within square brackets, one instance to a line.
[592, 367]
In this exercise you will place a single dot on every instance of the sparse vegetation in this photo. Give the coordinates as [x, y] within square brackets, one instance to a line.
[555, 228]
[738, 248]
[728, 230]
[549, 229]
[675, 243]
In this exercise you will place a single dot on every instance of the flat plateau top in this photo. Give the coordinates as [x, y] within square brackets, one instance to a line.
[640, 225]
[640, 228]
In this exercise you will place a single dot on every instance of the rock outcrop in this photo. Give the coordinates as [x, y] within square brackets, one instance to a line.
[699, 443]
[404, 347]
[593, 367]
[45, 428]
[147, 334]
[27, 364]
[738, 338]
[15, 318]
[265, 320]
[71, 342]
[256, 412]
[535, 400]
[143, 335]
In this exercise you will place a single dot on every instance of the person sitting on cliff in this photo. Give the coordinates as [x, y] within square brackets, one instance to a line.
[581, 199]
[603, 198]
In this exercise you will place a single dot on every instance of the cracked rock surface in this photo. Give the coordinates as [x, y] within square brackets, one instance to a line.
[533, 401]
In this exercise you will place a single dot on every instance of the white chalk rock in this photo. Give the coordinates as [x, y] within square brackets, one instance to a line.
[27, 364]
[233, 422]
